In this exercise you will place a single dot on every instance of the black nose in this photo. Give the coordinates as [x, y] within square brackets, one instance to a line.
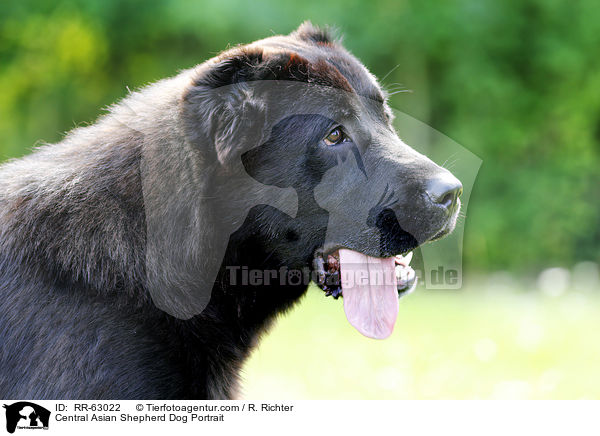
[444, 190]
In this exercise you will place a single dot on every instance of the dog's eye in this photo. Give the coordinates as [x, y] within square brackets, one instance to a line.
[336, 136]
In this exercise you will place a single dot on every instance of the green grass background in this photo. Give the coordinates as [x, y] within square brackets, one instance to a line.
[473, 343]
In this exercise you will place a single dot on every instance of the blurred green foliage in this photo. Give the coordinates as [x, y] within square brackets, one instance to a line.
[517, 82]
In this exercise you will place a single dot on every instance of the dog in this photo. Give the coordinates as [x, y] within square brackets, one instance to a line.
[144, 255]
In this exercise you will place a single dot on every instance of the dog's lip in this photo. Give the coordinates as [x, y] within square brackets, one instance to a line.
[321, 257]
[439, 235]
[445, 230]
[328, 249]
[331, 248]
[448, 225]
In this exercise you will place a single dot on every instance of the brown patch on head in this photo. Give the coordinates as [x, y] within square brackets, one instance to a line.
[295, 59]
[319, 72]
[247, 64]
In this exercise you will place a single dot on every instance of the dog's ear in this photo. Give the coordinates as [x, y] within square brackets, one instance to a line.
[318, 35]
[223, 115]
[220, 109]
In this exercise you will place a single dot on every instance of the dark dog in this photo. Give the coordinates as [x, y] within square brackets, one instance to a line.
[125, 249]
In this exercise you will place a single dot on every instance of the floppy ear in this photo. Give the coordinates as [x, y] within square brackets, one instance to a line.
[186, 237]
[239, 125]
[222, 108]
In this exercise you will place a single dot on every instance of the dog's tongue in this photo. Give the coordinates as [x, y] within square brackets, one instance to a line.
[370, 293]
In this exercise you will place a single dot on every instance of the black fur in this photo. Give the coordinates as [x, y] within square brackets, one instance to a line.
[77, 318]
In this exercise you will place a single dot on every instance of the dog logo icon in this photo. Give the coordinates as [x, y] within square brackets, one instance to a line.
[26, 415]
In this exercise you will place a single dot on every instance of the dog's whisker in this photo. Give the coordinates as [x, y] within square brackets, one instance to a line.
[400, 91]
[389, 72]
[452, 156]
[396, 88]
[450, 165]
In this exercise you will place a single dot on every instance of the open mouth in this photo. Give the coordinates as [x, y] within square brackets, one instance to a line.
[371, 287]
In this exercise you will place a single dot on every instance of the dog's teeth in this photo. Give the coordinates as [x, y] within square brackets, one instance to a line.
[319, 266]
[400, 271]
[405, 279]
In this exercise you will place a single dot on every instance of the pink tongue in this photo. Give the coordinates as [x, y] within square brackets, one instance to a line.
[370, 294]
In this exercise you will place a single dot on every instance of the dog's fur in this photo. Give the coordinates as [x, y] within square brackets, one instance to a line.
[77, 316]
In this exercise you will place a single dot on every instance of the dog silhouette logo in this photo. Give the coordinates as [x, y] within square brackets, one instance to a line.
[26, 415]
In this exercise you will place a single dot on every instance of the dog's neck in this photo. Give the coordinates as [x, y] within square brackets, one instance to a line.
[237, 314]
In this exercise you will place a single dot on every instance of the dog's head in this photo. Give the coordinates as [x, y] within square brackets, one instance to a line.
[300, 112]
